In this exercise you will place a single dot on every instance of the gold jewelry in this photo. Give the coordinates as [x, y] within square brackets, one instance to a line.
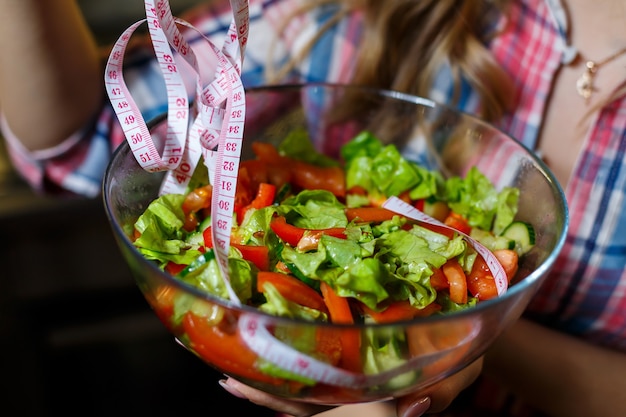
[584, 85]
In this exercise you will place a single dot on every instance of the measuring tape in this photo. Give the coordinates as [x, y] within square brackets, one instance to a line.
[218, 115]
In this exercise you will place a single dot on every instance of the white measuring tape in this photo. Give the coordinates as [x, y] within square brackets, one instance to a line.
[219, 114]
[217, 121]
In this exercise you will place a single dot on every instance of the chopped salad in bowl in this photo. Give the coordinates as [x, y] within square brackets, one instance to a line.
[360, 272]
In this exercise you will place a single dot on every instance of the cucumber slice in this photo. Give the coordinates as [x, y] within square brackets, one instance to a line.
[206, 222]
[195, 239]
[523, 234]
[491, 242]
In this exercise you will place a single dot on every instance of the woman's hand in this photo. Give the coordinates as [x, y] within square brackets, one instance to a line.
[433, 399]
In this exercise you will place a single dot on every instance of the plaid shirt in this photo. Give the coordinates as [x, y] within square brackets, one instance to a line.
[585, 295]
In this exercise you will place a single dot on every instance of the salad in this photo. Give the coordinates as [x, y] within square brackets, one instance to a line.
[311, 241]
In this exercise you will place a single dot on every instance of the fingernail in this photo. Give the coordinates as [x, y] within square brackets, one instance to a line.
[418, 408]
[231, 390]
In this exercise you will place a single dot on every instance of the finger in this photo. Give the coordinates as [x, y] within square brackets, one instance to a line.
[440, 395]
[293, 408]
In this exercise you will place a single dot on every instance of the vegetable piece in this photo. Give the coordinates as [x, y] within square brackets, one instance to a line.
[369, 214]
[509, 259]
[341, 313]
[292, 234]
[264, 197]
[458, 222]
[311, 177]
[480, 282]
[198, 199]
[400, 311]
[292, 289]
[173, 268]
[457, 280]
[221, 345]
[523, 234]
[162, 302]
[438, 280]
[258, 255]
[437, 209]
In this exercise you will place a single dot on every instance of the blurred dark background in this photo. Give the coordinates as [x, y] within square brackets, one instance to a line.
[76, 334]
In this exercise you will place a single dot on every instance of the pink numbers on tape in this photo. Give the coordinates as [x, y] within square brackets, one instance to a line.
[215, 120]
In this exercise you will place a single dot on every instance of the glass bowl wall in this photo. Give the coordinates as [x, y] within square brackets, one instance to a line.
[426, 132]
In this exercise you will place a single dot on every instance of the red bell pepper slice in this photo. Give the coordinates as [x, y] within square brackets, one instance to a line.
[223, 347]
[341, 313]
[258, 255]
[264, 197]
[400, 311]
[369, 214]
[458, 222]
[291, 234]
[173, 268]
[292, 289]
[312, 177]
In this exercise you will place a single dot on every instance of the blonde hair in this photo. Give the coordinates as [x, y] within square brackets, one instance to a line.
[408, 41]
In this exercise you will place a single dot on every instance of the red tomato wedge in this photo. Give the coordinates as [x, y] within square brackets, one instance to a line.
[509, 259]
[340, 313]
[480, 282]
[438, 280]
[457, 280]
[292, 289]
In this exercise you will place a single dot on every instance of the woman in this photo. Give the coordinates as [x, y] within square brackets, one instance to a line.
[551, 76]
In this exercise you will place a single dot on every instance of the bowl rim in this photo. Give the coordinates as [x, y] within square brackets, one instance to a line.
[512, 291]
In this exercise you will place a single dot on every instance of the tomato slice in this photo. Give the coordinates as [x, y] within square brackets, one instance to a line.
[292, 289]
[480, 282]
[438, 280]
[457, 280]
[509, 259]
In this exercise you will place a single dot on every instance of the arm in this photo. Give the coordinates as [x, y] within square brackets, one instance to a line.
[51, 80]
[557, 373]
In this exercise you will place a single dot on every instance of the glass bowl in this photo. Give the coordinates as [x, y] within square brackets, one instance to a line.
[239, 340]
